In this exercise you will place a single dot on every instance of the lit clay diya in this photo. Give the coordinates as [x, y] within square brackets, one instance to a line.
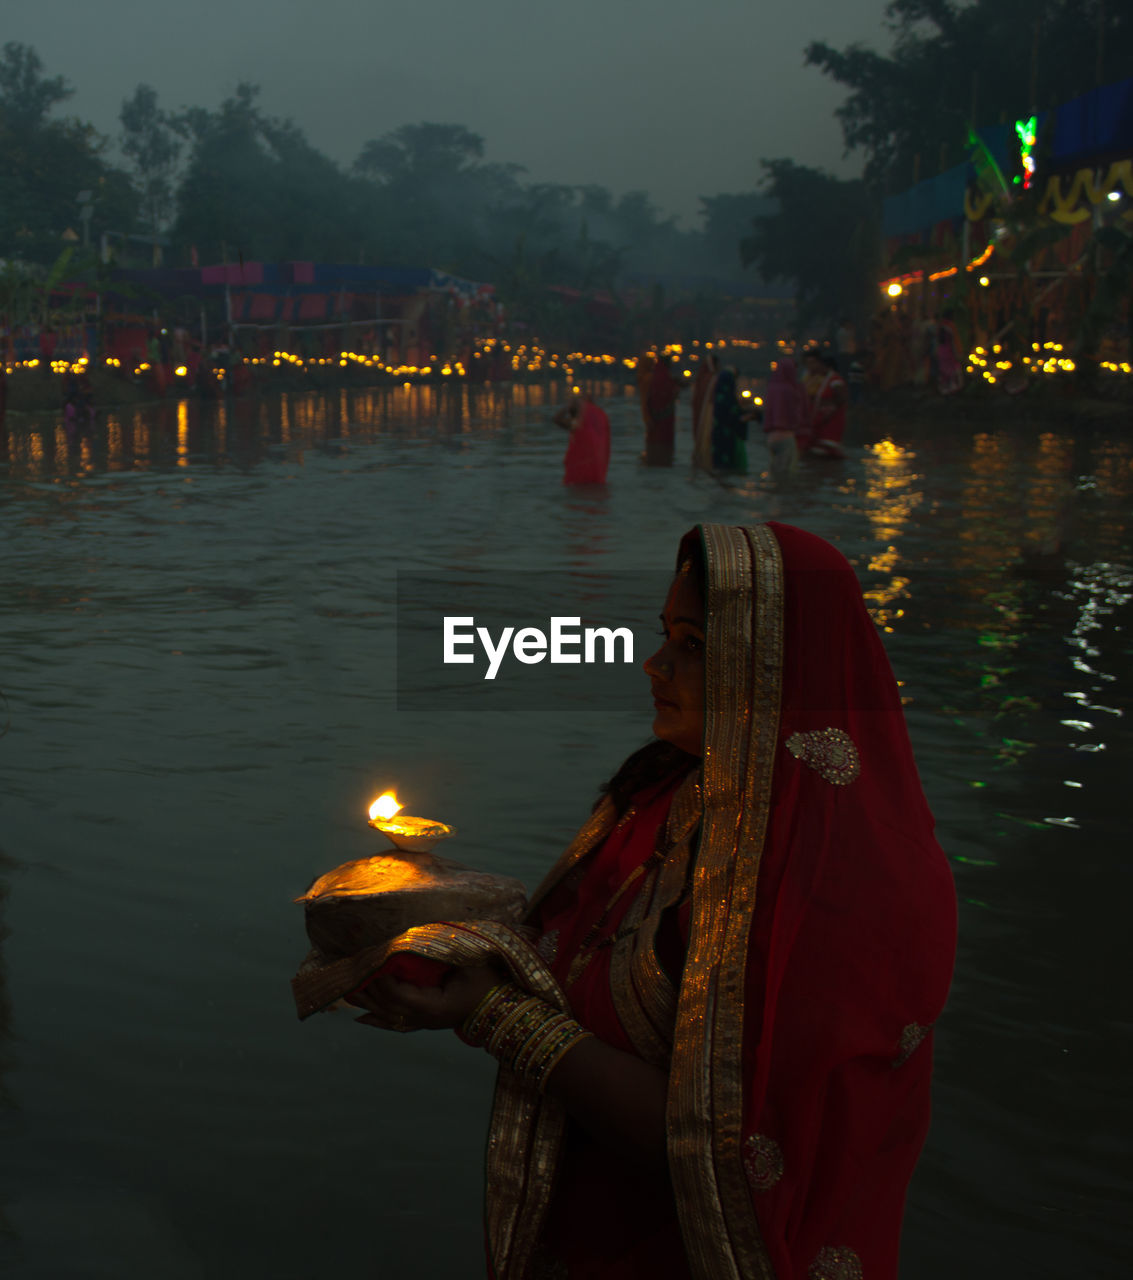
[366, 902]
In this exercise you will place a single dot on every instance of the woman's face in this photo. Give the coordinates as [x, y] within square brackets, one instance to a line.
[676, 670]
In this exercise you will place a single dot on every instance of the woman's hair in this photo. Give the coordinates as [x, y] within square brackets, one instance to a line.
[657, 760]
[648, 766]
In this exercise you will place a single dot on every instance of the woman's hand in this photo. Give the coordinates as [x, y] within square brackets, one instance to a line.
[393, 1005]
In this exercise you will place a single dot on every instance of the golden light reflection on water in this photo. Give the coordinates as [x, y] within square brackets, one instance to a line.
[987, 533]
[1113, 479]
[888, 502]
[37, 453]
[1113, 467]
[182, 433]
[163, 434]
[113, 442]
[1048, 493]
[139, 439]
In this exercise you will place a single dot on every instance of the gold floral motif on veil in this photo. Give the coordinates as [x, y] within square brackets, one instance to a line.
[911, 1037]
[835, 1263]
[763, 1160]
[829, 752]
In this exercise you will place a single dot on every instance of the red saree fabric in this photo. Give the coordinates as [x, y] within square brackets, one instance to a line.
[794, 1165]
[659, 411]
[608, 1220]
[588, 449]
[852, 940]
[830, 426]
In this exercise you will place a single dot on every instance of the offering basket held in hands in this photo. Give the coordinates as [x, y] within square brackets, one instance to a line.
[364, 904]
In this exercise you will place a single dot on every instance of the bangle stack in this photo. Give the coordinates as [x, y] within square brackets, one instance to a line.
[526, 1034]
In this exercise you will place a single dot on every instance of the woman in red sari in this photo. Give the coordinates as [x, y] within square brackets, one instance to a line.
[737, 962]
[588, 449]
[828, 397]
[659, 409]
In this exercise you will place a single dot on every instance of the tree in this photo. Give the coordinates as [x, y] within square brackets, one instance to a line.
[45, 163]
[957, 65]
[150, 141]
[436, 196]
[726, 219]
[824, 236]
[254, 186]
[420, 155]
[26, 94]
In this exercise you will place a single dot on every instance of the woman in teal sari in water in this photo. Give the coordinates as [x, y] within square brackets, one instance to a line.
[729, 425]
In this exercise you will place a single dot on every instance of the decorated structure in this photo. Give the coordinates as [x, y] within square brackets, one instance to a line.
[1019, 241]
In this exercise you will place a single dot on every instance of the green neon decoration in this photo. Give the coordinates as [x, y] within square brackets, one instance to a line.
[1026, 132]
[989, 176]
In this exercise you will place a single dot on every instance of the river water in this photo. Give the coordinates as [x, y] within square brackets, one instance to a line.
[200, 675]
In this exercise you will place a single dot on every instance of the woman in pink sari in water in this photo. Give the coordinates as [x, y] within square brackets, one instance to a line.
[784, 417]
[588, 449]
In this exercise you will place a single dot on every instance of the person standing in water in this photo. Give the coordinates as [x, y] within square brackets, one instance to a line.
[784, 417]
[729, 424]
[659, 409]
[588, 449]
[709, 368]
[828, 400]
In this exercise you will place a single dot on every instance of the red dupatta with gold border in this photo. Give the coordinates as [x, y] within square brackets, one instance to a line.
[822, 935]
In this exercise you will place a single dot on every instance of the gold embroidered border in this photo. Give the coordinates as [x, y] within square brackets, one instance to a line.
[706, 1084]
[642, 991]
[653, 985]
[642, 1033]
[767, 663]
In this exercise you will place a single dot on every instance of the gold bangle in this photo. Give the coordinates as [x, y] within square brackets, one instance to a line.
[513, 1020]
[483, 1020]
[531, 1050]
[556, 1056]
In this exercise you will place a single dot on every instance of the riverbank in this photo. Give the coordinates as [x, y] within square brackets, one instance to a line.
[1050, 399]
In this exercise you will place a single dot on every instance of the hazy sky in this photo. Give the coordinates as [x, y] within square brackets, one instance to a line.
[679, 100]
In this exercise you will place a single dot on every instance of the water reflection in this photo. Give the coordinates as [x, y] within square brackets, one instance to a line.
[888, 501]
[203, 705]
[182, 433]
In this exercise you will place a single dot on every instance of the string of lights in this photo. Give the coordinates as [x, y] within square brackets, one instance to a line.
[494, 356]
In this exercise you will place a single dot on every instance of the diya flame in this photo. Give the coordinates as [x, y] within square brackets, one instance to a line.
[384, 807]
